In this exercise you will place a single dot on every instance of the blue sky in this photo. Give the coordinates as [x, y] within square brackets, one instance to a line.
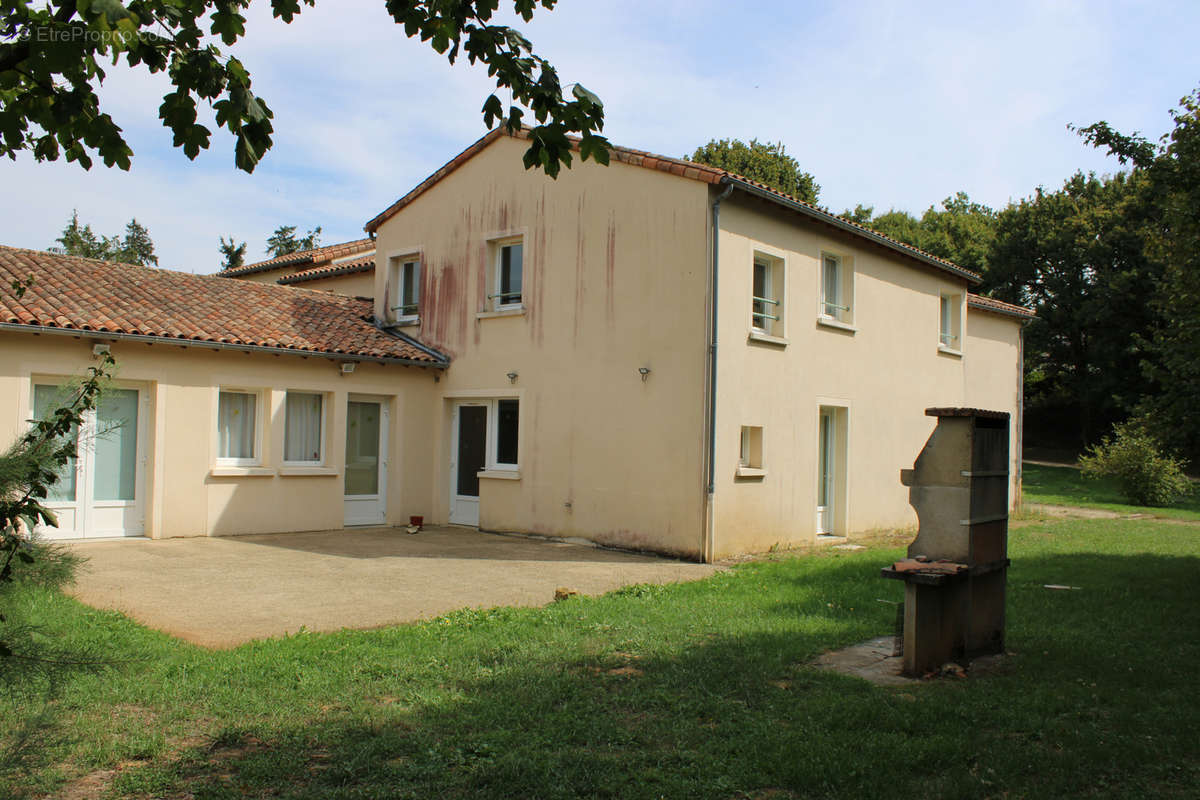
[889, 104]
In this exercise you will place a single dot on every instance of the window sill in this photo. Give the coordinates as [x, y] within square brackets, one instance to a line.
[404, 322]
[753, 473]
[949, 351]
[241, 472]
[500, 474]
[298, 470]
[518, 311]
[837, 324]
[766, 338]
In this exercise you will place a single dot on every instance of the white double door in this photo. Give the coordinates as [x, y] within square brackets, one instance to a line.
[101, 492]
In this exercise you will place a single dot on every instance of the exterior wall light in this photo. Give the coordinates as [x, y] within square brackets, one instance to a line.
[644, 372]
[512, 377]
[348, 367]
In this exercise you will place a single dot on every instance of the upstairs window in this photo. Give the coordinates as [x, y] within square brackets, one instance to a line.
[950, 323]
[404, 289]
[766, 304]
[837, 289]
[508, 273]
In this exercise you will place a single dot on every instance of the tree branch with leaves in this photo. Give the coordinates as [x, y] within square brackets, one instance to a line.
[53, 59]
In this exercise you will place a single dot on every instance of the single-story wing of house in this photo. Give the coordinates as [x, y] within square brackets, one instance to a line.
[655, 355]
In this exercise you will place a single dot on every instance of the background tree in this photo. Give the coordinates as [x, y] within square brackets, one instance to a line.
[285, 242]
[961, 231]
[1169, 175]
[81, 240]
[136, 247]
[235, 254]
[764, 162]
[53, 58]
[1076, 255]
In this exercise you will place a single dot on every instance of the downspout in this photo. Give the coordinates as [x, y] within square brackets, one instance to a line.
[709, 548]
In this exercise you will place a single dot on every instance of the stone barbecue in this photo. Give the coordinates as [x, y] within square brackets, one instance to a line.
[956, 569]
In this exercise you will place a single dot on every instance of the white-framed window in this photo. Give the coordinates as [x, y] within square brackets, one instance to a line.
[767, 293]
[950, 322]
[837, 288]
[504, 433]
[304, 428]
[238, 427]
[506, 284]
[751, 456]
[404, 288]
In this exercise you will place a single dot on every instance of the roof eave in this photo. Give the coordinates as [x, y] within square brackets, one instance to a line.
[1024, 317]
[305, 277]
[838, 222]
[17, 327]
[251, 269]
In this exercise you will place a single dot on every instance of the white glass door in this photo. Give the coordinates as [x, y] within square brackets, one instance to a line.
[825, 457]
[468, 456]
[365, 501]
[100, 493]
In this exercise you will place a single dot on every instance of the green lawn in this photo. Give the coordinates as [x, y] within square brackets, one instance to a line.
[1066, 486]
[693, 690]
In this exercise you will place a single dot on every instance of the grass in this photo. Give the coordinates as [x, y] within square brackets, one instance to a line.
[1066, 486]
[691, 690]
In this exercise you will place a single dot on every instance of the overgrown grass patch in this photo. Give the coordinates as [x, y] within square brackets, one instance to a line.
[1066, 486]
[691, 690]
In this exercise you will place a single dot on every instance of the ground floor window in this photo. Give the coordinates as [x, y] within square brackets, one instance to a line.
[508, 427]
[237, 431]
[304, 423]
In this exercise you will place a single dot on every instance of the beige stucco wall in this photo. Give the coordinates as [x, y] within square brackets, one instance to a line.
[183, 497]
[615, 278]
[884, 374]
[358, 284]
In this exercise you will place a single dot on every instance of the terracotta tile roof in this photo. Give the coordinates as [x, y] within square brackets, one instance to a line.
[694, 171]
[999, 306]
[349, 267]
[302, 257]
[123, 300]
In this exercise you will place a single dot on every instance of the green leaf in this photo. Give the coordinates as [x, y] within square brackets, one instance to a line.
[492, 110]
[584, 95]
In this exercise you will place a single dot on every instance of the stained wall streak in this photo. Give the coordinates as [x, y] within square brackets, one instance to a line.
[580, 270]
[610, 268]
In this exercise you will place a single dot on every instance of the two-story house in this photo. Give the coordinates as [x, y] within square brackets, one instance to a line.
[659, 354]
[655, 355]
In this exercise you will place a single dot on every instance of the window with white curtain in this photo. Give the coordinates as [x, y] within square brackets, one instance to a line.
[237, 431]
[303, 440]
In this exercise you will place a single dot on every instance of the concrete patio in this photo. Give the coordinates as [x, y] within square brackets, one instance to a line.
[221, 592]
